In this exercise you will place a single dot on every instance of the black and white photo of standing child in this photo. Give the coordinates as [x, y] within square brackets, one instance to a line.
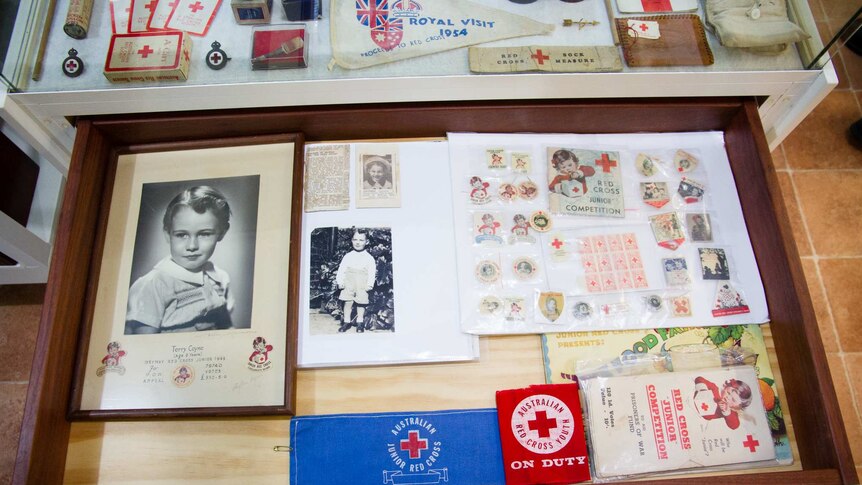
[351, 280]
[194, 222]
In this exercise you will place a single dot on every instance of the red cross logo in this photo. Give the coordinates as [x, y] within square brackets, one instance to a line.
[643, 27]
[557, 243]
[145, 51]
[414, 444]
[542, 424]
[186, 56]
[594, 283]
[174, 3]
[704, 406]
[639, 278]
[71, 65]
[215, 58]
[751, 443]
[681, 306]
[151, 6]
[606, 163]
[600, 244]
[539, 57]
[196, 6]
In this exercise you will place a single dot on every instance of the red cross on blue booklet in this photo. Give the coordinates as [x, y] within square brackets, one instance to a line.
[542, 435]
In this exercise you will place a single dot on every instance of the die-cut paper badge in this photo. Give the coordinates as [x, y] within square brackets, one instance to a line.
[487, 229]
[490, 305]
[684, 161]
[655, 194]
[646, 165]
[728, 301]
[521, 162]
[508, 192]
[691, 190]
[521, 230]
[667, 229]
[551, 305]
[487, 271]
[496, 158]
[479, 191]
[541, 221]
[528, 190]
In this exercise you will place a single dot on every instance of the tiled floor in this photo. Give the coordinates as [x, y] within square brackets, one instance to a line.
[821, 177]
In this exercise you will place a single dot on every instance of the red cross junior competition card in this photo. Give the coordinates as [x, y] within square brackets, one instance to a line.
[542, 435]
[664, 422]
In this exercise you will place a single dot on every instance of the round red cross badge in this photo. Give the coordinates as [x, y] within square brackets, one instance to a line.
[73, 66]
[216, 57]
[542, 424]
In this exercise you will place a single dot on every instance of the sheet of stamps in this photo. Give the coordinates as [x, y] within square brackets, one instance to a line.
[585, 182]
[327, 178]
[678, 420]
[378, 182]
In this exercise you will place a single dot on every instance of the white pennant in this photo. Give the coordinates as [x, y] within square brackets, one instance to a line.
[370, 32]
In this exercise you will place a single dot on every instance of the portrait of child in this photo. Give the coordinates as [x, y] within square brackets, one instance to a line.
[177, 284]
[568, 168]
[378, 173]
[351, 281]
[726, 404]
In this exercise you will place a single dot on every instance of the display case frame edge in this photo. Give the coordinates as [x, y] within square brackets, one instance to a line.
[821, 439]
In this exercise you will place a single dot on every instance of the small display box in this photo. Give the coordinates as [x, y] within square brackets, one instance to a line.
[247, 12]
[279, 47]
[148, 56]
[299, 10]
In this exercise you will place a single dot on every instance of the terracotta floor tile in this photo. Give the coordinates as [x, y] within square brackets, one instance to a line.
[841, 72]
[852, 63]
[843, 278]
[12, 397]
[840, 10]
[852, 423]
[817, 11]
[20, 306]
[831, 203]
[778, 159]
[821, 308]
[821, 141]
[853, 362]
[794, 214]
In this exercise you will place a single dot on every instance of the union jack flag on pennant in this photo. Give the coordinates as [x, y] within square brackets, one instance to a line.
[374, 14]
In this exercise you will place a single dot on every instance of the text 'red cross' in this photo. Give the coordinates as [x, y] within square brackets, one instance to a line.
[557, 243]
[414, 444]
[151, 6]
[751, 443]
[606, 163]
[542, 424]
[196, 6]
[145, 51]
[539, 57]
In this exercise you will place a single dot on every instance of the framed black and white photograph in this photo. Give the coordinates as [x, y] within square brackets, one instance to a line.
[352, 288]
[194, 311]
[193, 260]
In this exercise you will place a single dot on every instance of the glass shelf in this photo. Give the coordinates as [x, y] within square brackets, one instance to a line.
[236, 42]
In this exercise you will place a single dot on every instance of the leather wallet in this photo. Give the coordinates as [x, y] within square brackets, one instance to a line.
[681, 42]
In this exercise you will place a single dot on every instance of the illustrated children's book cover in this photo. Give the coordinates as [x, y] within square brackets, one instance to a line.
[678, 420]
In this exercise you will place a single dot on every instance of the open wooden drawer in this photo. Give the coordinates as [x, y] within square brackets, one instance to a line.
[240, 449]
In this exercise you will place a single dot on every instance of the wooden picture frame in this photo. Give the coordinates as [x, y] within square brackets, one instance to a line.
[191, 308]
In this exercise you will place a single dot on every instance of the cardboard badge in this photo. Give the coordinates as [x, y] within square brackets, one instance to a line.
[371, 32]
[542, 435]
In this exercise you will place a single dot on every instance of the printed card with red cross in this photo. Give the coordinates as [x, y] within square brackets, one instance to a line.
[542, 435]
[160, 16]
[120, 12]
[656, 6]
[665, 422]
[193, 16]
[140, 13]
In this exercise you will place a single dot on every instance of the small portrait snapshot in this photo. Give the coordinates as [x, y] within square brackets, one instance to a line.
[352, 289]
[193, 259]
[699, 227]
[713, 264]
[377, 176]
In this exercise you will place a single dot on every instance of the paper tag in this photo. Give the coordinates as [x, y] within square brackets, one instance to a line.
[161, 13]
[645, 29]
[140, 13]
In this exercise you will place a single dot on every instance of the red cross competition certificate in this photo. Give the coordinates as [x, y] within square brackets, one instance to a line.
[193, 16]
[542, 435]
[665, 422]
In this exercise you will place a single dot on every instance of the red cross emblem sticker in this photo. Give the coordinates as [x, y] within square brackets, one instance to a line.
[751, 443]
[557, 243]
[414, 444]
[539, 57]
[606, 163]
[196, 6]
